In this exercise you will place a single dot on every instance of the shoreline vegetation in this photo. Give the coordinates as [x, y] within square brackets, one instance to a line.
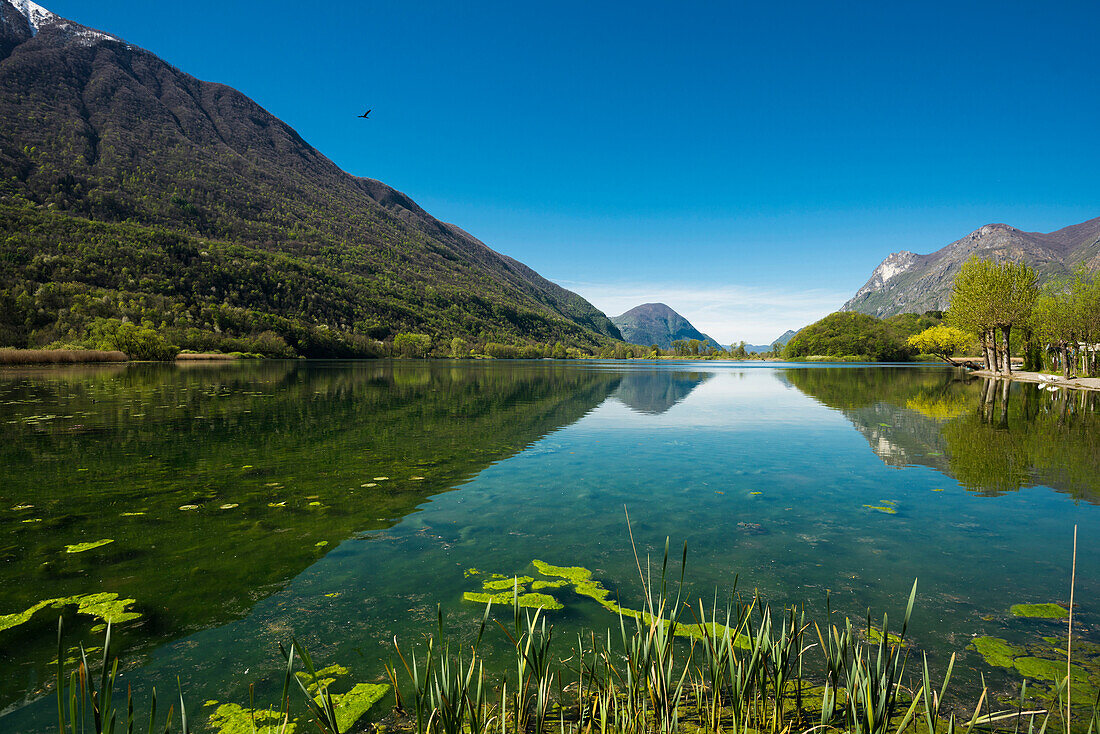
[673, 666]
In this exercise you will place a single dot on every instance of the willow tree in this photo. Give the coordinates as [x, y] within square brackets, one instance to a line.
[988, 297]
[1067, 317]
[971, 307]
[941, 340]
[1014, 293]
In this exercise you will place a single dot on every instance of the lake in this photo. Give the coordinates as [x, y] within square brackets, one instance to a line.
[343, 502]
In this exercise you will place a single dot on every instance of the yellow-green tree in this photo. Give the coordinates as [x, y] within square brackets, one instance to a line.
[942, 341]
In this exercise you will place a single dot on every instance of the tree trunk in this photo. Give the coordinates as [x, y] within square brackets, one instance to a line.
[1006, 365]
[1065, 360]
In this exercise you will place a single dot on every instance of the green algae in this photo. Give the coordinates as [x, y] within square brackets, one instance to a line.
[354, 705]
[470, 572]
[81, 547]
[320, 544]
[325, 677]
[531, 601]
[229, 718]
[107, 606]
[574, 574]
[883, 508]
[350, 707]
[506, 583]
[1040, 611]
[875, 635]
[7, 621]
[996, 651]
[1041, 668]
[104, 605]
[581, 578]
[131, 514]
[549, 584]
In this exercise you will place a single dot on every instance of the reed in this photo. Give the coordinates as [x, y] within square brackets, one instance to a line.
[742, 670]
[59, 356]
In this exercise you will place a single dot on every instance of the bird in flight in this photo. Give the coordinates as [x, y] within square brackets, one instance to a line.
[364, 115]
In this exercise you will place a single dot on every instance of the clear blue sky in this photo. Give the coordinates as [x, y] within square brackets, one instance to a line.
[748, 164]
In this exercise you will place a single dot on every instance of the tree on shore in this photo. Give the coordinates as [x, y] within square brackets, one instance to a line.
[1067, 318]
[988, 297]
[942, 341]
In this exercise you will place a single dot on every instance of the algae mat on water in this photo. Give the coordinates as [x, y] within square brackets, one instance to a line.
[350, 707]
[106, 606]
[583, 584]
[1040, 611]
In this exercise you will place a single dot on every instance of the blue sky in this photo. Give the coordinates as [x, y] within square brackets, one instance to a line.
[748, 164]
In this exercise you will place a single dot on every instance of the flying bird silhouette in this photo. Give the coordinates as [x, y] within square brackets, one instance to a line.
[364, 115]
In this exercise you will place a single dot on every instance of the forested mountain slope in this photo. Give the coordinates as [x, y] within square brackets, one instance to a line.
[129, 188]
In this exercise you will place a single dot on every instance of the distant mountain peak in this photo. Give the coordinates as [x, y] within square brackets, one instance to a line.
[656, 323]
[39, 19]
[909, 282]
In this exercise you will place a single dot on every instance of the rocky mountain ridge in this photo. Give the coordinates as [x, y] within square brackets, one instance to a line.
[906, 282]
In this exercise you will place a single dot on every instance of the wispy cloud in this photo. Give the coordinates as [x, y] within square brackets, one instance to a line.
[755, 314]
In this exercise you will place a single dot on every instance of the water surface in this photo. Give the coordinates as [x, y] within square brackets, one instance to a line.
[344, 501]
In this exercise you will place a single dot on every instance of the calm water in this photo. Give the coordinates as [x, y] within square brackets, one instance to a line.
[343, 501]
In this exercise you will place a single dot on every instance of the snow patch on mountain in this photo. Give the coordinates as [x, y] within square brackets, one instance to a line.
[38, 18]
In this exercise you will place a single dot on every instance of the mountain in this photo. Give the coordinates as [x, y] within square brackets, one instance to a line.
[656, 323]
[128, 188]
[781, 341]
[907, 282]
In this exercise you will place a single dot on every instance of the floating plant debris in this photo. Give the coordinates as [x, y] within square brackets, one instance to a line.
[81, 547]
[1040, 611]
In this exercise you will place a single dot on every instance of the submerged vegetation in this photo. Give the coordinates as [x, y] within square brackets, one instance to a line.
[749, 669]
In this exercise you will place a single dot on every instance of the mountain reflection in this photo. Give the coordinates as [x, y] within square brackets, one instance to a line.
[993, 436]
[653, 392]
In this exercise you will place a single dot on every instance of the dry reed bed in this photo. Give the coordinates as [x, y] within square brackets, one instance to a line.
[59, 356]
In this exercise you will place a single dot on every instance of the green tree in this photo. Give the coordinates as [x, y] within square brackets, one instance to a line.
[138, 342]
[989, 296]
[459, 348]
[971, 306]
[849, 334]
[412, 345]
[942, 341]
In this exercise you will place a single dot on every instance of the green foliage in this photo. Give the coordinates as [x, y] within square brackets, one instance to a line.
[941, 340]
[845, 333]
[459, 348]
[990, 296]
[1067, 317]
[412, 345]
[139, 342]
[914, 323]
